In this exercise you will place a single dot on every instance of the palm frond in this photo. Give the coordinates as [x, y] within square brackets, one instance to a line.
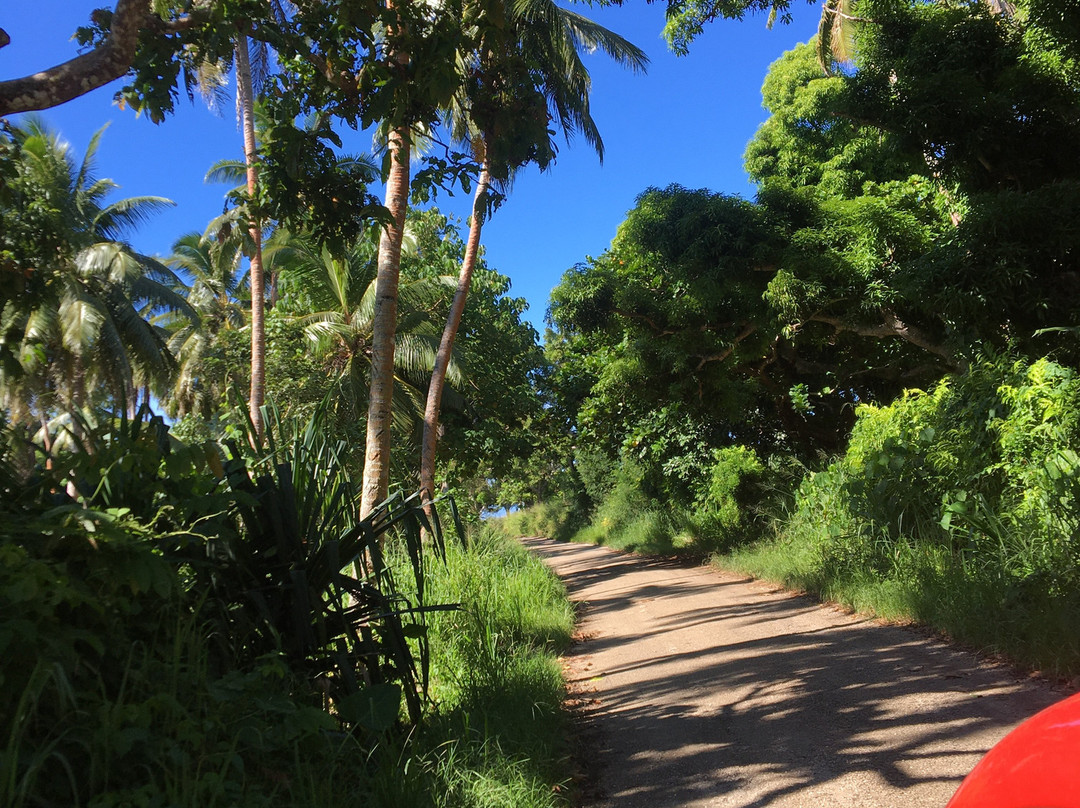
[149, 356]
[159, 296]
[231, 171]
[836, 34]
[212, 79]
[116, 219]
[593, 36]
[108, 261]
[158, 271]
[86, 169]
[81, 318]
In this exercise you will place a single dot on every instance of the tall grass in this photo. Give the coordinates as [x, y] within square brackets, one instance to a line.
[738, 505]
[178, 734]
[184, 632]
[497, 738]
[958, 508]
[558, 518]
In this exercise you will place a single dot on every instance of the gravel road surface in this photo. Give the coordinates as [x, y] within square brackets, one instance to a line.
[701, 688]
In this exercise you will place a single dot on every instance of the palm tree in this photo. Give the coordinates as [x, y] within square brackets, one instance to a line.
[531, 55]
[213, 295]
[246, 95]
[210, 80]
[376, 479]
[342, 292]
[83, 333]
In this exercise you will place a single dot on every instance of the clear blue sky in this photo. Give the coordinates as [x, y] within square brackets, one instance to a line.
[687, 121]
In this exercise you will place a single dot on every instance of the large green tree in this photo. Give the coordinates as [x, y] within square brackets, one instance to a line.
[926, 189]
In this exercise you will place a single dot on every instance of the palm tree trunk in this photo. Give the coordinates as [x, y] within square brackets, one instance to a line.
[446, 345]
[46, 439]
[376, 484]
[258, 291]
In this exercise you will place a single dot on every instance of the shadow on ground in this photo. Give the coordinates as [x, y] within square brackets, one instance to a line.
[717, 690]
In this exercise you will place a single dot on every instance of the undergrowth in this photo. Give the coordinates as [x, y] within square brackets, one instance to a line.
[180, 627]
[497, 737]
[956, 507]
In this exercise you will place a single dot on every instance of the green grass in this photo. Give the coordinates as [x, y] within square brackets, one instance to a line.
[1029, 620]
[175, 732]
[558, 519]
[992, 596]
[498, 737]
[629, 527]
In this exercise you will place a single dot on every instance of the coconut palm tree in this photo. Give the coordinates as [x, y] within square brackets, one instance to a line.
[341, 291]
[82, 335]
[214, 293]
[246, 96]
[250, 62]
[526, 67]
[376, 479]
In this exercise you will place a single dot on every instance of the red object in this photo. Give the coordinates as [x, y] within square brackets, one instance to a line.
[1037, 765]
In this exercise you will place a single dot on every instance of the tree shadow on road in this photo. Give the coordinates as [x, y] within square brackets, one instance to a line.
[751, 701]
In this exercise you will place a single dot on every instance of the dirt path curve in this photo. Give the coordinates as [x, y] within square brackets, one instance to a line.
[706, 689]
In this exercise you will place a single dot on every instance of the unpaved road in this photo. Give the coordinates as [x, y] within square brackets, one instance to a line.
[701, 688]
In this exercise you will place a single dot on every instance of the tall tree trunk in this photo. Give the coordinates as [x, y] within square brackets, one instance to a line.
[376, 484]
[246, 93]
[446, 345]
[46, 439]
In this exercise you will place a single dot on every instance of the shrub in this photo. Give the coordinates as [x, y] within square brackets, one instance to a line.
[178, 627]
[596, 470]
[959, 507]
[557, 518]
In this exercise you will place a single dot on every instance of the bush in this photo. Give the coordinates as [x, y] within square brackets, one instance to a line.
[959, 507]
[557, 518]
[596, 470]
[182, 629]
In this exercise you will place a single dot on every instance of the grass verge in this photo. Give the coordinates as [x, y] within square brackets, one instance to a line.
[177, 732]
[499, 735]
[1025, 619]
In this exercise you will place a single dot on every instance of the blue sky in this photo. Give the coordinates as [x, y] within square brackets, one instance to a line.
[687, 121]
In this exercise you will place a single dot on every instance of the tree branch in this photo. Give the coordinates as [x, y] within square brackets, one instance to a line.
[749, 329]
[893, 326]
[632, 315]
[78, 76]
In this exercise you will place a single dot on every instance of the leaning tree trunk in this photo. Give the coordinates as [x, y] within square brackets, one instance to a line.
[88, 71]
[376, 484]
[446, 345]
[258, 290]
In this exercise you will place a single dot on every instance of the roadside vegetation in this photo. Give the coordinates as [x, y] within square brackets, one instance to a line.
[215, 588]
[863, 383]
[182, 631]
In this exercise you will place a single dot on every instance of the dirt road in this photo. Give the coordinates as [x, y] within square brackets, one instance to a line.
[701, 688]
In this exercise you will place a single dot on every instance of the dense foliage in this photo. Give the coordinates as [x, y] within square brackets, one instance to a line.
[196, 615]
[156, 593]
[870, 367]
[190, 624]
[957, 506]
